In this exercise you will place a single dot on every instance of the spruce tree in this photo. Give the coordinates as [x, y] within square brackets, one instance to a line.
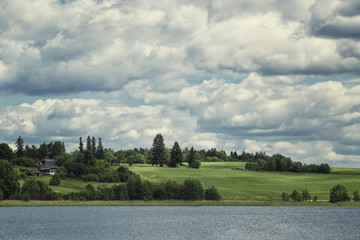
[93, 145]
[158, 151]
[20, 147]
[88, 143]
[100, 150]
[176, 156]
[81, 145]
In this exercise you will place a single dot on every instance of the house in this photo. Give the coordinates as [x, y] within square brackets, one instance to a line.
[49, 167]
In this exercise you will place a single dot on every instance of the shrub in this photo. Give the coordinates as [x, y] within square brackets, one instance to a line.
[306, 195]
[285, 196]
[296, 196]
[338, 194]
[315, 198]
[212, 194]
[55, 180]
[192, 190]
[356, 197]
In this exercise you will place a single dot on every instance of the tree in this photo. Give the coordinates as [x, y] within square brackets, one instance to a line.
[9, 184]
[88, 143]
[81, 145]
[55, 180]
[6, 152]
[285, 196]
[42, 151]
[192, 190]
[212, 194]
[296, 196]
[306, 195]
[93, 145]
[158, 151]
[356, 196]
[176, 156]
[100, 150]
[20, 147]
[193, 159]
[339, 194]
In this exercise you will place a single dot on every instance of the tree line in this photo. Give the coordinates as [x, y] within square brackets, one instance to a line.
[277, 162]
[337, 194]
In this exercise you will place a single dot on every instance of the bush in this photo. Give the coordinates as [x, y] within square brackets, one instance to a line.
[55, 180]
[285, 196]
[296, 196]
[192, 190]
[1, 195]
[338, 194]
[212, 194]
[315, 198]
[356, 197]
[306, 195]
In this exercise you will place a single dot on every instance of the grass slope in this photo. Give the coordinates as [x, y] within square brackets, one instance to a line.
[234, 183]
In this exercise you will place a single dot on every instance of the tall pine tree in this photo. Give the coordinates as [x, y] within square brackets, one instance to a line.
[81, 145]
[93, 145]
[158, 151]
[88, 143]
[176, 156]
[20, 152]
[100, 150]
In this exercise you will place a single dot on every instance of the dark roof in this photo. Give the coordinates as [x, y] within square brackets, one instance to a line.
[48, 164]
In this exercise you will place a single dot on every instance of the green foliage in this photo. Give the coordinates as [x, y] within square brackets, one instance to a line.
[315, 198]
[356, 196]
[339, 194]
[173, 190]
[192, 189]
[20, 152]
[55, 180]
[135, 188]
[212, 194]
[193, 158]
[36, 190]
[1, 195]
[296, 196]
[176, 156]
[306, 196]
[158, 151]
[6, 152]
[285, 196]
[9, 184]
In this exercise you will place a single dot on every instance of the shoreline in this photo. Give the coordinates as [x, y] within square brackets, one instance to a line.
[35, 203]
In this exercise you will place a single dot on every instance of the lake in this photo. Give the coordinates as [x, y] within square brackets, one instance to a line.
[179, 223]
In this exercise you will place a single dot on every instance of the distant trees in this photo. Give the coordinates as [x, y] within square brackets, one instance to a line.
[296, 196]
[283, 164]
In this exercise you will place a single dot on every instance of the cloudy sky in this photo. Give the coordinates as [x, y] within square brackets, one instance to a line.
[274, 76]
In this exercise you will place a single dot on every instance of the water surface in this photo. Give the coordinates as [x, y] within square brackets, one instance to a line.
[179, 223]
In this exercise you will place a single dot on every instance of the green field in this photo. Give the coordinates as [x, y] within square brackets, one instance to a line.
[234, 183]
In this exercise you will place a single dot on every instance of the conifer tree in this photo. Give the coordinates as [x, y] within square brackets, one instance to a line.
[100, 150]
[93, 145]
[88, 143]
[81, 145]
[176, 156]
[20, 147]
[158, 153]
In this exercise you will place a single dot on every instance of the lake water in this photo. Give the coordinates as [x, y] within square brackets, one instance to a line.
[179, 223]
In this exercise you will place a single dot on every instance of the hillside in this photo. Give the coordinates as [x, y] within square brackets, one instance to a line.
[234, 183]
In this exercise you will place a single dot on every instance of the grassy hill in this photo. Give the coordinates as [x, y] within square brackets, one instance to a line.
[234, 183]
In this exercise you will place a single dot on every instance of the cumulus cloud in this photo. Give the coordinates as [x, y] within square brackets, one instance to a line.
[59, 47]
[311, 123]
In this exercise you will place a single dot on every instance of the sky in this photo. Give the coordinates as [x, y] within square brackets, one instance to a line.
[273, 76]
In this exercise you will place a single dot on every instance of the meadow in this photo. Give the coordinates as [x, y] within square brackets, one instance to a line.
[235, 183]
